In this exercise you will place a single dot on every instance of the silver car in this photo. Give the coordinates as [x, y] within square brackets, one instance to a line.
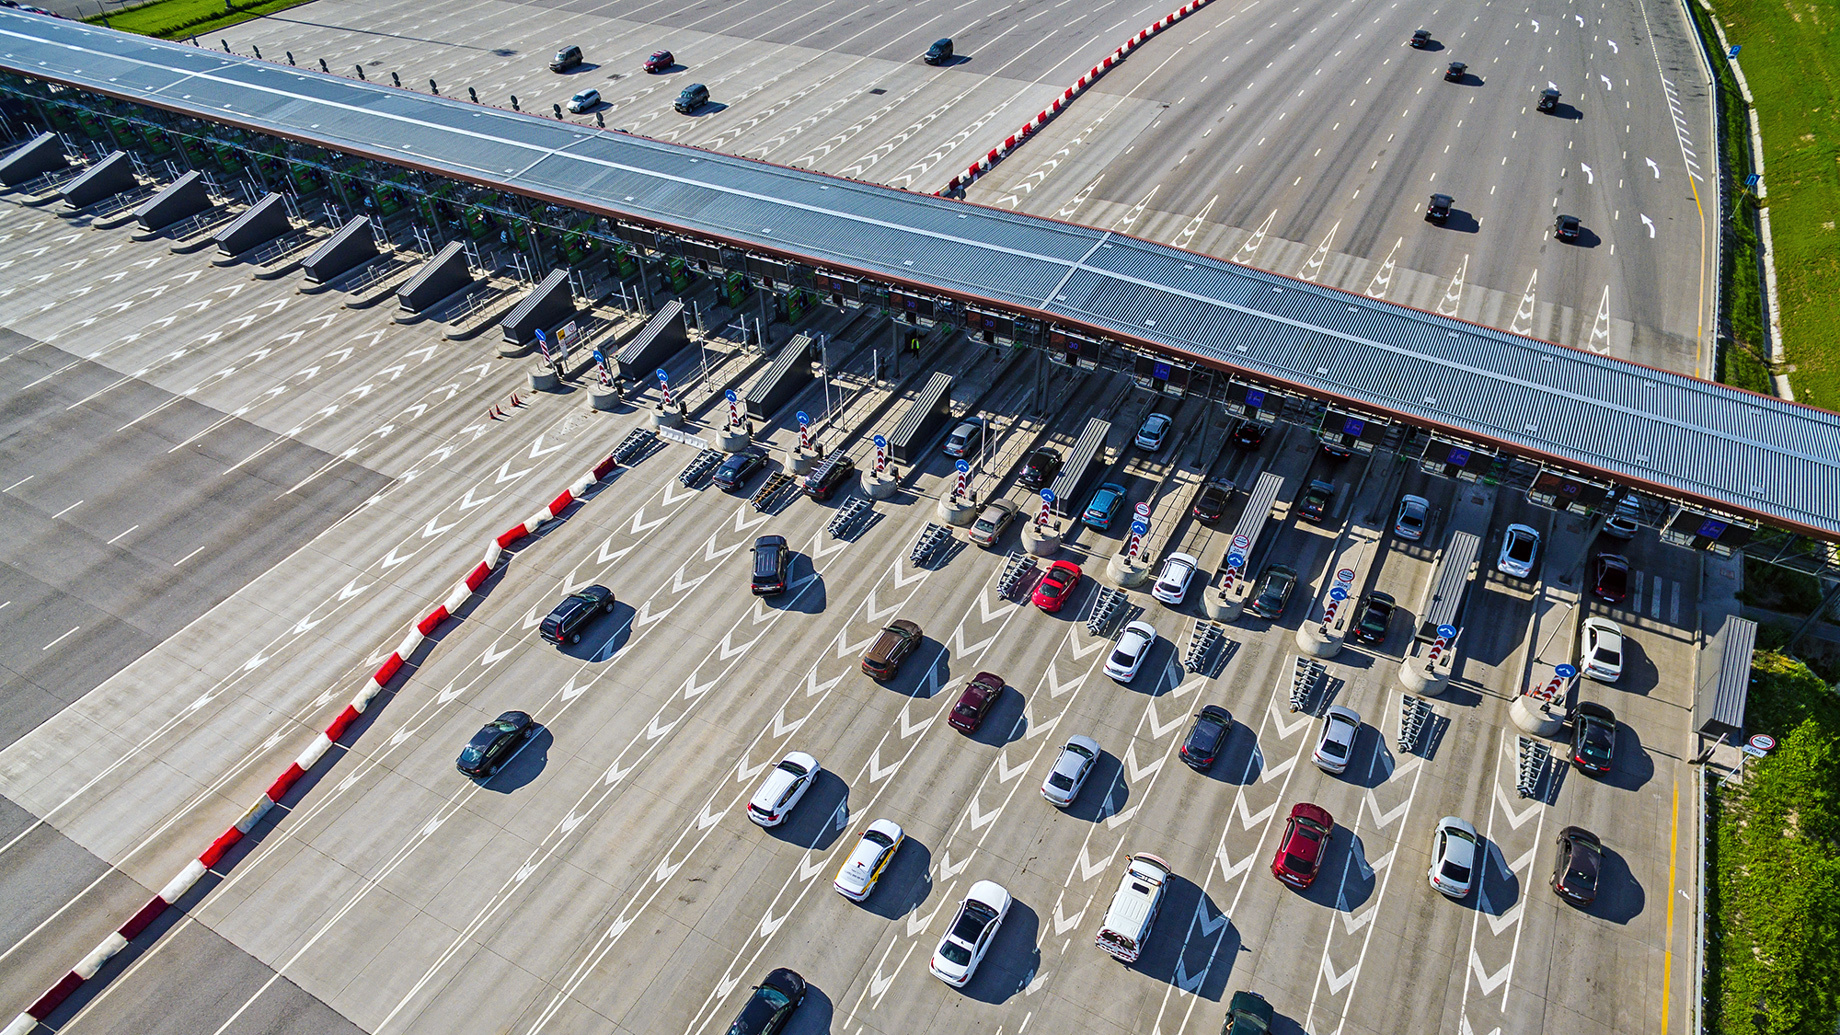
[1340, 728]
[991, 521]
[1520, 548]
[1070, 770]
[1128, 656]
[1455, 853]
[1172, 585]
[1410, 523]
[587, 100]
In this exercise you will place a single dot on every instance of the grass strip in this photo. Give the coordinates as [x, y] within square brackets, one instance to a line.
[182, 19]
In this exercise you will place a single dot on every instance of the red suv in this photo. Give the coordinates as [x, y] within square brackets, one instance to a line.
[1306, 837]
[660, 62]
[983, 690]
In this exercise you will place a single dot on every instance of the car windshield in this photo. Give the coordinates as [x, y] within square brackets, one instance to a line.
[759, 1010]
[1455, 871]
[1334, 749]
[967, 710]
[1521, 547]
[955, 953]
[876, 837]
[986, 525]
[1060, 781]
[792, 767]
[1077, 749]
[1596, 740]
[1051, 588]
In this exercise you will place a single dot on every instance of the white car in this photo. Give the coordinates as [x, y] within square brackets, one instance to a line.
[1340, 727]
[858, 874]
[785, 784]
[966, 437]
[1172, 585]
[1128, 656]
[971, 933]
[1455, 851]
[1602, 656]
[1520, 547]
[1625, 520]
[586, 100]
[1410, 522]
[1151, 433]
[1070, 770]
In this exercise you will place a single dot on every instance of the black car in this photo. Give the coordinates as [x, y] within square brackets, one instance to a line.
[1438, 209]
[1201, 748]
[494, 744]
[1421, 39]
[576, 610]
[1456, 72]
[1333, 450]
[1575, 871]
[1315, 503]
[1211, 502]
[1549, 99]
[771, 559]
[939, 53]
[1565, 228]
[1593, 738]
[1272, 592]
[822, 481]
[771, 1005]
[1249, 435]
[1376, 616]
[693, 97]
[1040, 468]
[734, 472]
[566, 58]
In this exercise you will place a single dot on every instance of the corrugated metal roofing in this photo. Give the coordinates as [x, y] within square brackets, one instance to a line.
[1752, 455]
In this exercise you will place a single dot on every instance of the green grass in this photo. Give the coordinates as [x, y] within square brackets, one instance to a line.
[182, 19]
[1791, 60]
[1773, 950]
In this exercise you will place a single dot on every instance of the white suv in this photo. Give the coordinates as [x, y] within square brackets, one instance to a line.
[1172, 585]
[1520, 548]
[785, 784]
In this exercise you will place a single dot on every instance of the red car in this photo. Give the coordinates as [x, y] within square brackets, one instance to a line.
[968, 714]
[1306, 837]
[660, 62]
[1056, 586]
[1610, 578]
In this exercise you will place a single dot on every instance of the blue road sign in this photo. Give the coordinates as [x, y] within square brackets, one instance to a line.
[802, 418]
[729, 395]
[1565, 671]
[1047, 495]
[1449, 632]
[961, 467]
[1140, 527]
[880, 442]
[662, 376]
[541, 336]
[1338, 594]
[1236, 560]
[1735, 47]
[1752, 180]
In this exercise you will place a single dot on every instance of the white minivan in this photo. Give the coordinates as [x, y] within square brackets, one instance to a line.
[1133, 910]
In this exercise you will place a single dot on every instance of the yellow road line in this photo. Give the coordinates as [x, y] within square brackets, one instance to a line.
[1667, 955]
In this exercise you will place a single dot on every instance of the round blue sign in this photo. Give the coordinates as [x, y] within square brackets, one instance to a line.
[1448, 632]
[1140, 527]
[1047, 495]
[802, 418]
[880, 442]
[1338, 594]
[1565, 671]
[729, 395]
[662, 376]
[961, 467]
[1236, 560]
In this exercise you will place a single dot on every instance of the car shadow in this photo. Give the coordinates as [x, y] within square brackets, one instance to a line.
[1430, 47]
[1461, 222]
[1116, 794]
[917, 680]
[1240, 761]
[1498, 888]
[523, 766]
[808, 599]
[1620, 897]
[604, 636]
[1633, 766]
[1158, 660]
[1355, 878]
[905, 884]
[1565, 111]
[1371, 761]
[582, 69]
[1587, 238]
[1466, 79]
[1013, 959]
[1639, 673]
[1094, 804]
[1005, 722]
[820, 816]
[816, 1015]
[709, 108]
[1167, 956]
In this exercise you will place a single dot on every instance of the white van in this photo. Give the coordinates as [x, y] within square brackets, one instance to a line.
[1133, 910]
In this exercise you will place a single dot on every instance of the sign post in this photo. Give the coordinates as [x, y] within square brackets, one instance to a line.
[958, 488]
[804, 432]
[664, 385]
[1139, 529]
[1047, 504]
[734, 409]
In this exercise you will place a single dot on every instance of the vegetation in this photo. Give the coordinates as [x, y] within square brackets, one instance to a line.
[1773, 951]
[1775, 588]
[181, 19]
[1791, 58]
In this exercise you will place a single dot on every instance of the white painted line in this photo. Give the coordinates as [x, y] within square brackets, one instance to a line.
[66, 510]
[187, 557]
[60, 639]
[123, 532]
[20, 482]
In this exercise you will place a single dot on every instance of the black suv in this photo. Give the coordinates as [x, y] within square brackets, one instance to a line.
[576, 610]
[1040, 468]
[494, 744]
[1565, 228]
[734, 472]
[1376, 615]
[939, 53]
[822, 481]
[1316, 500]
[1211, 503]
[693, 97]
[1438, 210]
[566, 58]
[1456, 73]
[771, 559]
[1249, 435]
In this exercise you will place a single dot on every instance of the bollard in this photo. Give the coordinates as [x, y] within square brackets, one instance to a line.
[220, 39]
[514, 104]
[599, 121]
[257, 51]
[360, 69]
[557, 108]
[395, 80]
[290, 56]
[472, 95]
[323, 68]
[433, 88]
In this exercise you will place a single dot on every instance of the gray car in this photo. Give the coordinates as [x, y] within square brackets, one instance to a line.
[1070, 770]
[991, 521]
[1272, 592]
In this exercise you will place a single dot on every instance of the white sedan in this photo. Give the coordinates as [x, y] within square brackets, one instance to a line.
[858, 874]
[1172, 585]
[1520, 547]
[1602, 657]
[1455, 851]
[1340, 727]
[1128, 656]
[972, 931]
[785, 784]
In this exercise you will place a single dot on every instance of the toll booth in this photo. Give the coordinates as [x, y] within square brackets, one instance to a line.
[440, 277]
[662, 338]
[548, 304]
[261, 223]
[1253, 519]
[183, 198]
[1725, 680]
[789, 374]
[1086, 459]
[101, 181]
[1444, 603]
[42, 154]
[928, 415]
[353, 246]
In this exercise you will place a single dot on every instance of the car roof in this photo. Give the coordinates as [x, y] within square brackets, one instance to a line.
[1336, 711]
[770, 540]
[1184, 558]
[1603, 626]
[1216, 713]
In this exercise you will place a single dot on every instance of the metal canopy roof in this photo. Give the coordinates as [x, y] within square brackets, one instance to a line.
[1734, 450]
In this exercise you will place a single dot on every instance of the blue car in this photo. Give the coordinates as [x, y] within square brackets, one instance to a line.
[1103, 505]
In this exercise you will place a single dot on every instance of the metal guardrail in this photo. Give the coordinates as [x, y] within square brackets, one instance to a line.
[853, 511]
[635, 444]
[1305, 675]
[1015, 570]
[775, 484]
[1107, 606]
[1534, 758]
[928, 543]
[1414, 715]
[1201, 644]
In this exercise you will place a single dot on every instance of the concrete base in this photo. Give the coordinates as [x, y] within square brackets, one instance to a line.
[1220, 606]
[1046, 543]
[1128, 575]
[956, 512]
[803, 461]
[1535, 716]
[1312, 640]
[605, 399]
[543, 378]
[512, 349]
[664, 418]
[1415, 675]
[735, 441]
[880, 486]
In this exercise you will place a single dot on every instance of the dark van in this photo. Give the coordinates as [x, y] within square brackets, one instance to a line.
[939, 53]
[566, 58]
[694, 96]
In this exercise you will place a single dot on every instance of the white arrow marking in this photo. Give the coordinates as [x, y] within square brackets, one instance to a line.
[1489, 982]
[1613, 47]
[1655, 168]
[1515, 819]
[1139, 772]
[1589, 177]
[1063, 924]
[1337, 982]
[1158, 728]
[947, 870]
[876, 772]
[980, 818]
[1606, 80]
[1651, 227]
[1088, 868]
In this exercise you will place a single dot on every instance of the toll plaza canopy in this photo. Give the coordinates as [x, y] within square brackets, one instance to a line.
[1688, 439]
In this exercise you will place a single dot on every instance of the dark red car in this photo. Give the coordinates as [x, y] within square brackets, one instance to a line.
[660, 62]
[1306, 840]
[968, 714]
[1056, 586]
[1610, 578]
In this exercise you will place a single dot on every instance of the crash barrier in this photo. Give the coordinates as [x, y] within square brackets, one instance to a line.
[105, 179]
[1534, 758]
[928, 543]
[1201, 644]
[36, 157]
[924, 419]
[261, 223]
[439, 278]
[776, 483]
[182, 882]
[1108, 604]
[1010, 143]
[790, 373]
[353, 245]
[548, 304]
[701, 466]
[1725, 679]
[1252, 522]
[181, 199]
[1414, 714]
[637, 441]
[1069, 486]
[853, 511]
[1016, 569]
[1455, 570]
[1305, 674]
[662, 337]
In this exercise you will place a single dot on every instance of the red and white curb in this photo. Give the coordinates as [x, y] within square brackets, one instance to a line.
[175, 889]
[997, 154]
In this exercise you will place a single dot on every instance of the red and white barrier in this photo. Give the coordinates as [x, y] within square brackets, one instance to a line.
[997, 154]
[183, 881]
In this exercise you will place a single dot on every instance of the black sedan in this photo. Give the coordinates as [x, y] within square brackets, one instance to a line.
[494, 744]
[1211, 502]
[1249, 435]
[1040, 468]
[1205, 738]
[1437, 210]
[1565, 228]
[734, 472]
[1376, 616]
[1593, 738]
[771, 1005]
[1580, 861]
[1456, 72]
